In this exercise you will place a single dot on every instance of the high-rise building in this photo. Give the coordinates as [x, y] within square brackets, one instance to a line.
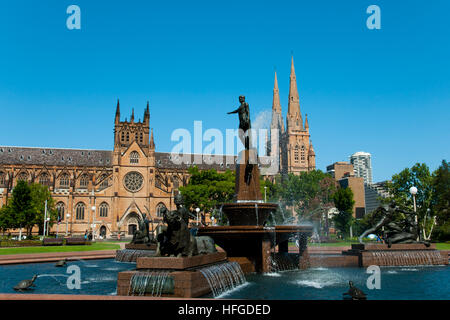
[373, 193]
[362, 165]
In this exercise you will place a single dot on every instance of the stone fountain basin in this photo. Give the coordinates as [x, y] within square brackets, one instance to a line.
[254, 243]
[248, 213]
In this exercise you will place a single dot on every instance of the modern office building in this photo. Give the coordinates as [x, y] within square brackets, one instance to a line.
[362, 165]
[373, 193]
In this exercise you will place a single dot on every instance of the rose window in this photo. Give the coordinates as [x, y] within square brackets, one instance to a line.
[133, 181]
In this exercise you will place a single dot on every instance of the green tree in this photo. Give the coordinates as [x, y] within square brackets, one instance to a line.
[343, 201]
[21, 207]
[6, 219]
[309, 194]
[39, 194]
[208, 190]
[441, 201]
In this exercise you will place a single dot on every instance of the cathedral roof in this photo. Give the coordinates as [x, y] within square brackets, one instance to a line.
[102, 158]
[55, 157]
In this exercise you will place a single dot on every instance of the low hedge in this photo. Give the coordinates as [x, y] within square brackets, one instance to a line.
[17, 243]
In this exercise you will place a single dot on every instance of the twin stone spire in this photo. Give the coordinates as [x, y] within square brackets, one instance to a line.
[294, 120]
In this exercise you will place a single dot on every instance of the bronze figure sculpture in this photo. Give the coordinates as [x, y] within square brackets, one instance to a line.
[142, 235]
[354, 293]
[25, 284]
[175, 239]
[403, 231]
[244, 121]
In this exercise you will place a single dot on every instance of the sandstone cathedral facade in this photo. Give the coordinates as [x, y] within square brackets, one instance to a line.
[110, 191]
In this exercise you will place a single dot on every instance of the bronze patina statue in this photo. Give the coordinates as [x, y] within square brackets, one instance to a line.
[354, 293]
[142, 235]
[179, 202]
[26, 284]
[244, 121]
[175, 239]
[403, 230]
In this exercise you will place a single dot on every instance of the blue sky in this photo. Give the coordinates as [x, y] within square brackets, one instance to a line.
[381, 91]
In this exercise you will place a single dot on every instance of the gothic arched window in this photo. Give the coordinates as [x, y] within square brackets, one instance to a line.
[302, 153]
[61, 209]
[134, 157]
[104, 180]
[84, 180]
[176, 183]
[141, 139]
[103, 209]
[64, 180]
[44, 179]
[80, 208]
[158, 209]
[296, 154]
[23, 176]
[2, 178]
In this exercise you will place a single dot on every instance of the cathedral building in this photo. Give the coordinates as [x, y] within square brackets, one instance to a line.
[290, 147]
[110, 191]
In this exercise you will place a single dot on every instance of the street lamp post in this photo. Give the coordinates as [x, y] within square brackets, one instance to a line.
[93, 223]
[197, 210]
[67, 224]
[413, 191]
[48, 225]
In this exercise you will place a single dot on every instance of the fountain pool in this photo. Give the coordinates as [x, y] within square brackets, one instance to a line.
[397, 283]
[99, 277]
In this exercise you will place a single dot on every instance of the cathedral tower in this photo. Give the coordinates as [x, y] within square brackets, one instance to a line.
[294, 151]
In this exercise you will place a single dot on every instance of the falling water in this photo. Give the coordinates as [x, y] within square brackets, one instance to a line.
[130, 255]
[223, 277]
[151, 283]
[407, 258]
[284, 262]
[256, 211]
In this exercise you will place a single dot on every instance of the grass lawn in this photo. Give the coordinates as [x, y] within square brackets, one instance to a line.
[443, 246]
[93, 247]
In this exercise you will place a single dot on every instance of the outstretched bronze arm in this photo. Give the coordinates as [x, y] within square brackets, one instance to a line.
[235, 111]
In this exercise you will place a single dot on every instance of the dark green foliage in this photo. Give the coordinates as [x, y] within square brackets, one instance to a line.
[39, 194]
[343, 201]
[441, 201]
[208, 190]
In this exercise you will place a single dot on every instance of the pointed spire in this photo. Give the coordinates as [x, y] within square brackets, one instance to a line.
[276, 105]
[294, 118]
[132, 115]
[311, 150]
[277, 119]
[306, 122]
[147, 114]
[152, 142]
[118, 112]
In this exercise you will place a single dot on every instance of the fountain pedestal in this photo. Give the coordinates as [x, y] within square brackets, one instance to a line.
[174, 276]
[397, 255]
[252, 246]
[246, 240]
